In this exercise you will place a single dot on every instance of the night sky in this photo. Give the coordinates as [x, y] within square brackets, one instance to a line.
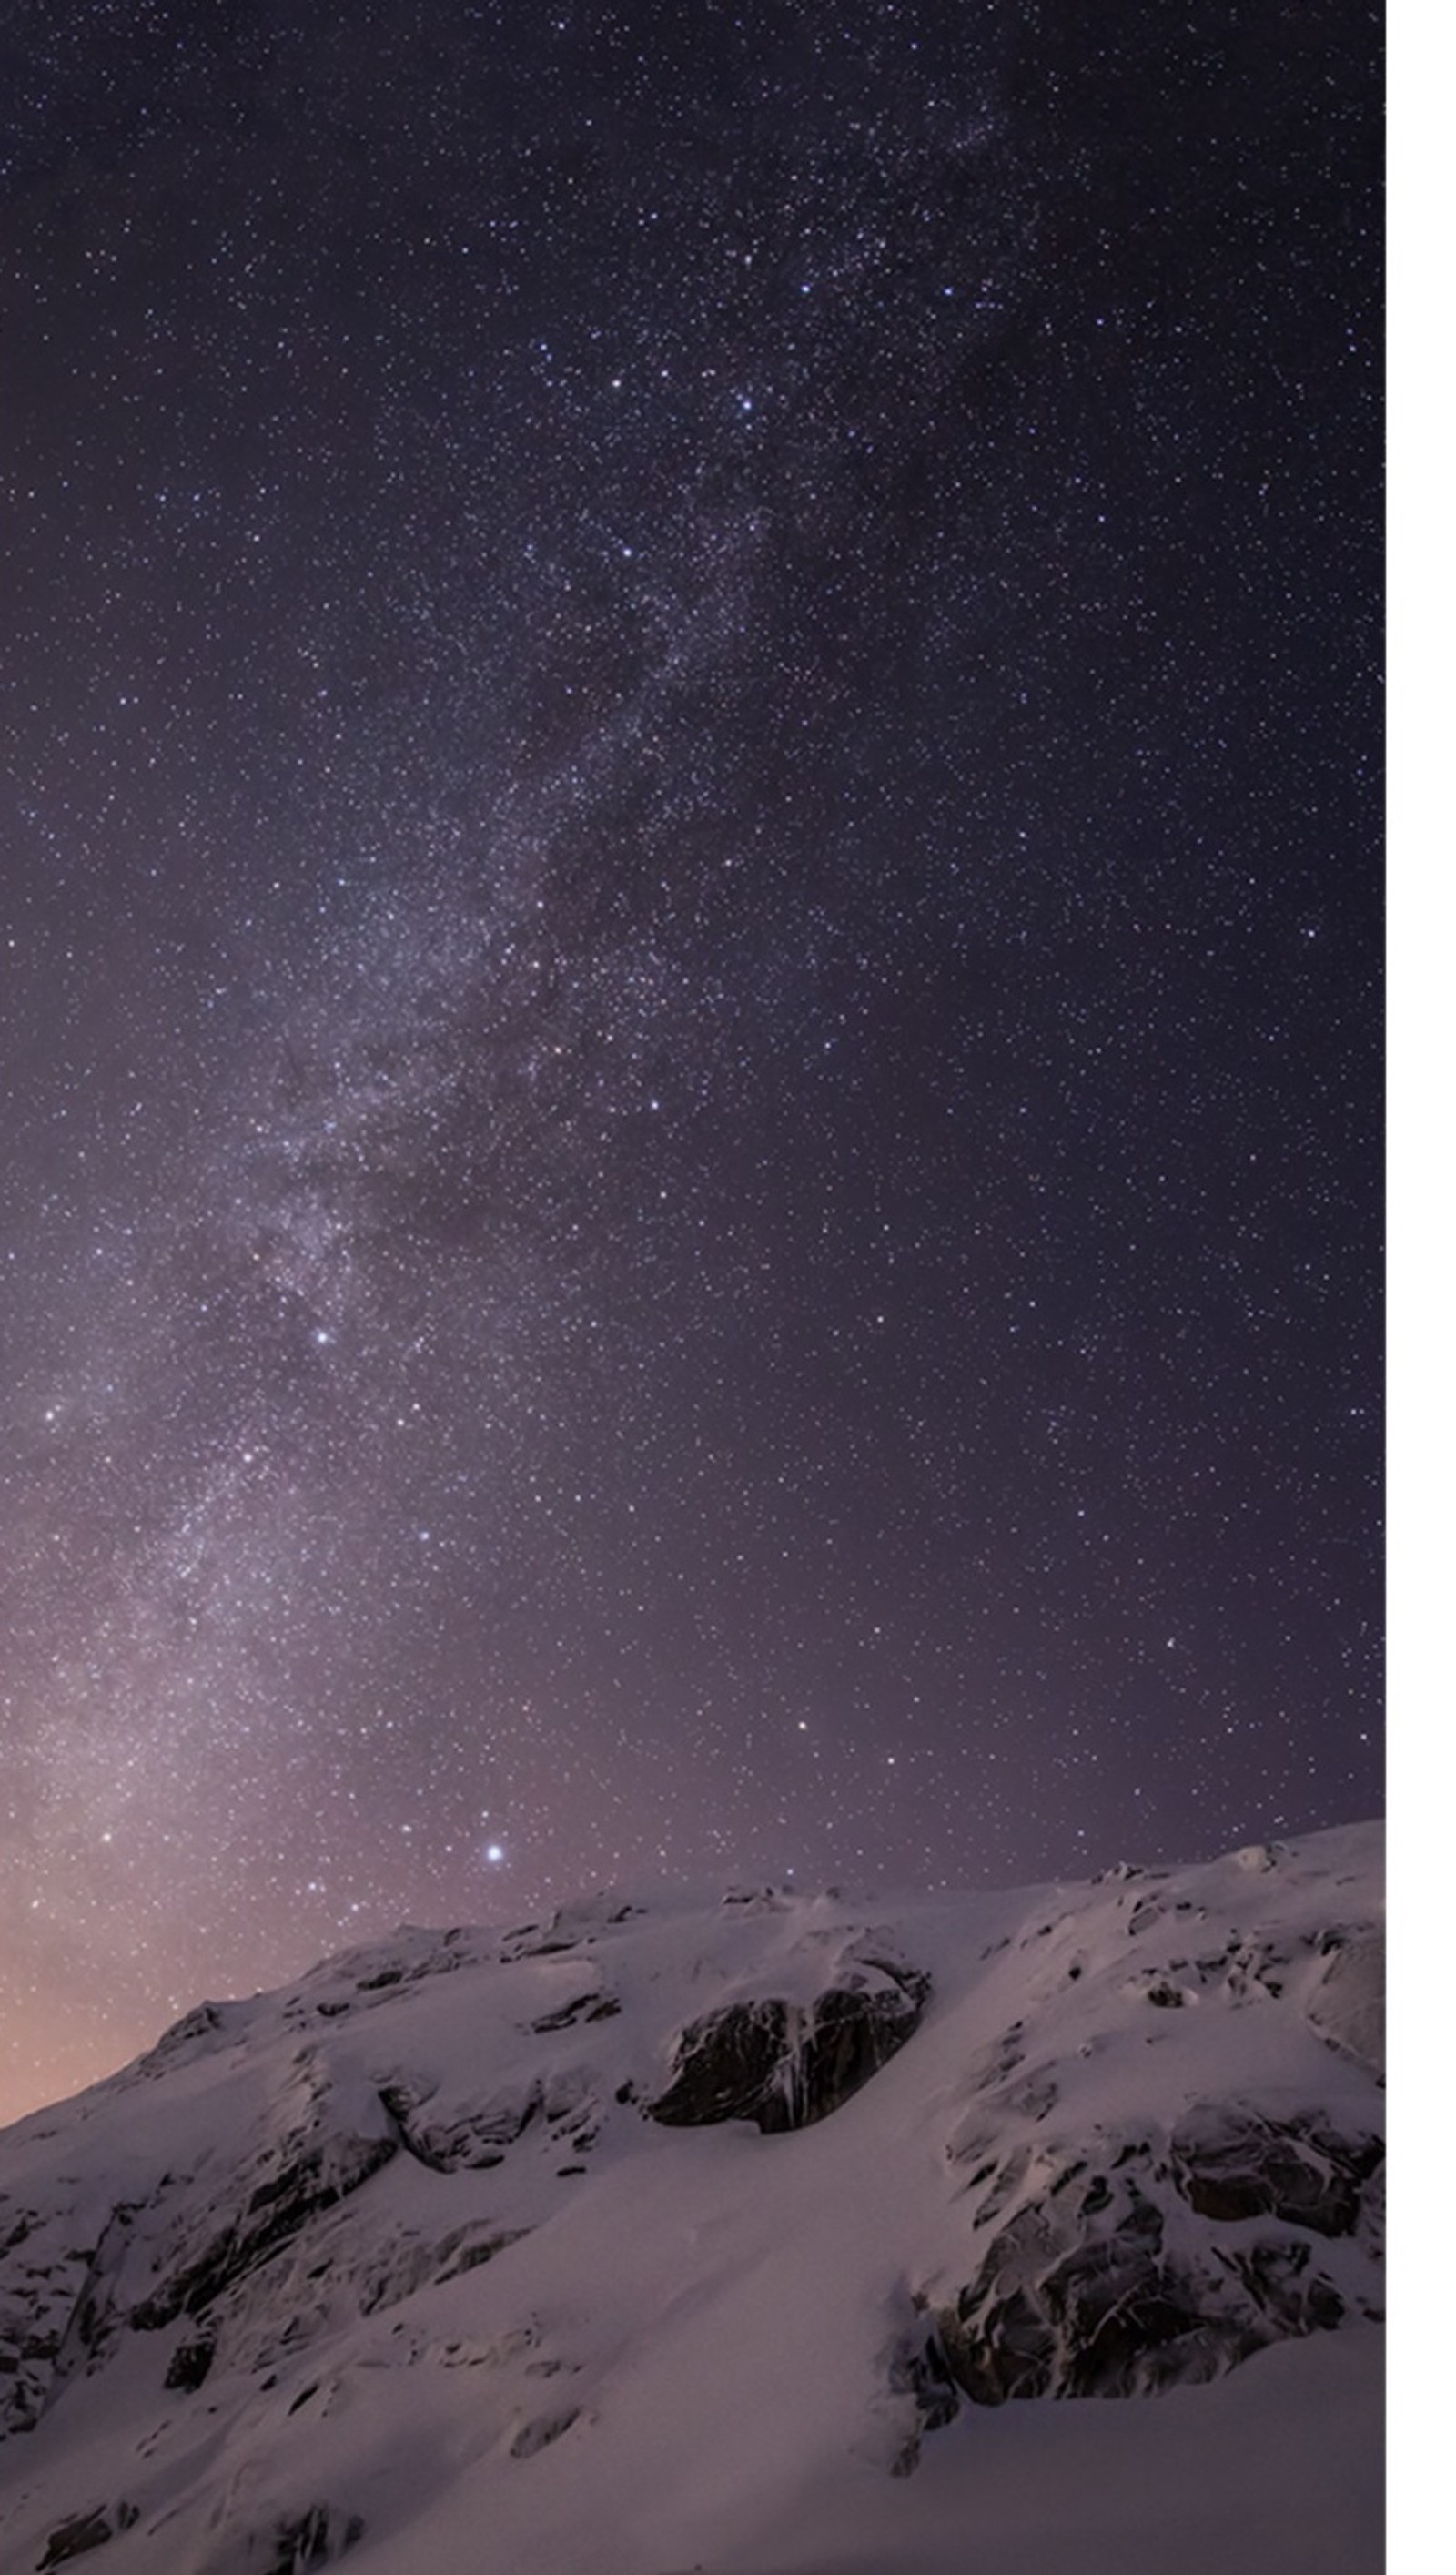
[689, 1093]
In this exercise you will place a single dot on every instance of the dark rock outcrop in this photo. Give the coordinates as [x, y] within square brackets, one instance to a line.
[313, 2150]
[472, 2136]
[785, 2065]
[55, 2312]
[468, 2138]
[83, 2532]
[541, 2430]
[595, 2004]
[1112, 2316]
[189, 2365]
[1091, 2290]
[405, 2264]
[1230, 2163]
[45, 2288]
[301, 2186]
[728, 2065]
[319, 2537]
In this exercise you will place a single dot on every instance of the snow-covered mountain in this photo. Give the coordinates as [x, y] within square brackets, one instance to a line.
[769, 2236]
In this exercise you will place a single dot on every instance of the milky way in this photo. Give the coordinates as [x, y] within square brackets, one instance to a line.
[691, 1044]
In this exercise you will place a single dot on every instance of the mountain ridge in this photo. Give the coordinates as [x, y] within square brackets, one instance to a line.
[754, 2236]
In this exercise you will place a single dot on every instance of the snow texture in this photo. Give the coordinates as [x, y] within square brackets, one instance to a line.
[764, 2236]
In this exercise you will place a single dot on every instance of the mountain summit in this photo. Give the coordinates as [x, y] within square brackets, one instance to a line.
[778, 2235]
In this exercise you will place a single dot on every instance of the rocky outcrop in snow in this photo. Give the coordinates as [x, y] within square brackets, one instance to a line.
[85, 2531]
[1229, 2162]
[783, 2064]
[1097, 2286]
[316, 2147]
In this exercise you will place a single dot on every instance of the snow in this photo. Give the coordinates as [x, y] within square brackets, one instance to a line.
[573, 2341]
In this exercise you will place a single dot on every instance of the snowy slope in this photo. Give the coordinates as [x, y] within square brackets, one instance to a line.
[772, 2236]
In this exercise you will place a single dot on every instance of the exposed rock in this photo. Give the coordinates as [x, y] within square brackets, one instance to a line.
[293, 2543]
[728, 2065]
[541, 2431]
[200, 2023]
[912, 1981]
[87, 2530]
[1037, 2097]
[593, 2005]
[1231, 2163]
[472, 2136]
[1111, 2318]
[43, 2291]
[319, 2537]
[398, 2268]
[785, 2065]
[467, 2137]
[1008, 2179]
[1250, 1970]
[303, 2187]
[311, 2155]
[54, 2313]
[918, 2369]
[999, 2059]
[189, 2365]
[1278, 2277]
[1080, 2294]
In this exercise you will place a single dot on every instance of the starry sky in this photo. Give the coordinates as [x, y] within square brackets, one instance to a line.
[690, 1178]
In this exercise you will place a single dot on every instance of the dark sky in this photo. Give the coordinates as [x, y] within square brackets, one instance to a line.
[690, 1158]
